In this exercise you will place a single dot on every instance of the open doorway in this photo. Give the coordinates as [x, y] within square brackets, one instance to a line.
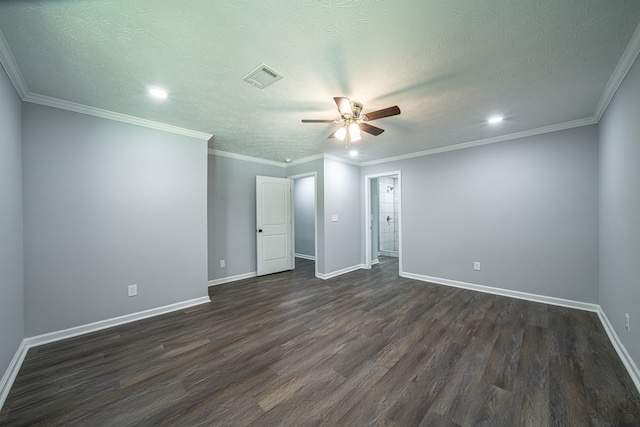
[383, 219]
[304, 218]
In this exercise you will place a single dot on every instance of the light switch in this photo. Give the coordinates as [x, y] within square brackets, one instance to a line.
[334, 218]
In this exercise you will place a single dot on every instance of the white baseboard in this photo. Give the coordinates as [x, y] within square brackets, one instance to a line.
[394, 254]
[27, 343]
[505, 292]
[339, 272]
[12, 372]
[14, 367]
[109, 323]
[375, 261]
[303, 256]
[232, 278]
[624, 355]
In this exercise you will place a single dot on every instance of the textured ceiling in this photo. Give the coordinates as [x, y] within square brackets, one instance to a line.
[447, 64]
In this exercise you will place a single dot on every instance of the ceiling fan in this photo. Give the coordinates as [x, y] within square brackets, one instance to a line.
[352, 121]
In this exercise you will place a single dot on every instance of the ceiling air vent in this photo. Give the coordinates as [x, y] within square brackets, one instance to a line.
[262, 76]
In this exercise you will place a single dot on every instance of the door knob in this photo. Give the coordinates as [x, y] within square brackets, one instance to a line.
[260, 230]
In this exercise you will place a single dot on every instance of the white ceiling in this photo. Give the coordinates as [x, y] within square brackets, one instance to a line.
[449, 65]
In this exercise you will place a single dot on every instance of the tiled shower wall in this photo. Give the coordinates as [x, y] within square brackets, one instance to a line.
[389, 201]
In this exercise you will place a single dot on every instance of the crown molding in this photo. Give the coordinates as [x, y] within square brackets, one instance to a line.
[306, 159]
[10, 65]
[300, 161]
[502, 138]
[13, 71]
[619, 73]
[341, 160]
[105, 114]
[245, 158]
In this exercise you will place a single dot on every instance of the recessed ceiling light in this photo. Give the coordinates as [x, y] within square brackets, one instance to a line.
[495, 119]
[287, 160]
[353, 153]
[157, 92]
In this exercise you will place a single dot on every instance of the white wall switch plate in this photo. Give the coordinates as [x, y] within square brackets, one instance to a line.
[132, 290]
[626, 322]
[476, 266]
[223, 263]
[334, 218]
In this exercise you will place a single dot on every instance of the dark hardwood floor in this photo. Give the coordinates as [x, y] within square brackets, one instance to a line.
[365, 348]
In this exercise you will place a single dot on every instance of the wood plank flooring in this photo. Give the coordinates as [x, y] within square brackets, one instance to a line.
[364, 348]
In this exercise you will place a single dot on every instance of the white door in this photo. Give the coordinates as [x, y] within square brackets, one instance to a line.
[273, 225]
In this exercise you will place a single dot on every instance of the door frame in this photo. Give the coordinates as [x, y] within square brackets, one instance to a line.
[367, 216]
[315, 215]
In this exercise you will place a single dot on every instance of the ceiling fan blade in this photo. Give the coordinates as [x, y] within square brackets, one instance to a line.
[385, 112]
[318, 121]
[344, 105]
[366, 127]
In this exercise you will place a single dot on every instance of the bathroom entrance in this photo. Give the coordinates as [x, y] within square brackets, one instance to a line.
[388, 204]
[383, 233]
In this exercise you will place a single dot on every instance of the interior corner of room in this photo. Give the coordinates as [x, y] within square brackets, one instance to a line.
[94, 207]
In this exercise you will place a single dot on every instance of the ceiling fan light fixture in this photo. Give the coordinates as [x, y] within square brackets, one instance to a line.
[354, 132]
[352, 122]
[353, 153]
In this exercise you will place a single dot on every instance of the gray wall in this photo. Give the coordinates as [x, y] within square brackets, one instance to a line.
[304, 215]
[316, 166]
[232, 214]
[106, 205]
[11, 243]
[374, 223]
[527, 209]
[342, 192]
[620, 211]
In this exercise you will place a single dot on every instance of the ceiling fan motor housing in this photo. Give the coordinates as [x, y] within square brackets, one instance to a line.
[356, 108]
[350, 115]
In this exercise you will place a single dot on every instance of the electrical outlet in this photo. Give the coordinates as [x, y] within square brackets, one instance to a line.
[132, 290]
[626, 322]
[476, 266]
[222, 263]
